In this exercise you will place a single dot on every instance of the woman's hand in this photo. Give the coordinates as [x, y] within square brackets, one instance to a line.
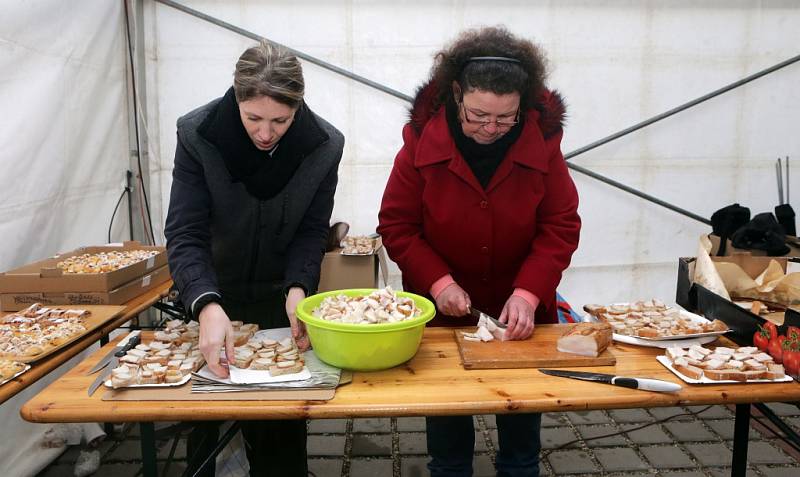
[293, 297]
[453, 301]
[518, 314]
[215, 332]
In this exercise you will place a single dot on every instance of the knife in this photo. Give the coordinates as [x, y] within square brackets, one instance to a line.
[633, 383]
[122, 344]
[113, 360]
[478, 314]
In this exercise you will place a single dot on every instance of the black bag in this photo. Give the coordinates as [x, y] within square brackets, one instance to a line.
[762, 233]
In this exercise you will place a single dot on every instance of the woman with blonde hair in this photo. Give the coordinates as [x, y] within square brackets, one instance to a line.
[252, 194]
[480, 210]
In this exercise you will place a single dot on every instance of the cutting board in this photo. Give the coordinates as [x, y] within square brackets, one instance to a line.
[538, 351]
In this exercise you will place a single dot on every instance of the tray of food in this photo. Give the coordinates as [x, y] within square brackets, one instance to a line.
[37, 331]
[360, 244]
[168, 360]
[11, 369]
[270, 356]
[701, 365]
[653, 320]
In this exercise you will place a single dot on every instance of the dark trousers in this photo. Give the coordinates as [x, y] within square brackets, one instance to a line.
[451, 445]
[274, 448]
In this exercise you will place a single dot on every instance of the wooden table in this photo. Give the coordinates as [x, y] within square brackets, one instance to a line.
[44, 366]
[432, 383]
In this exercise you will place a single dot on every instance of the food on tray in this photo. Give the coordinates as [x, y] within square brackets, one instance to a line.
[724, 364]
[651, 319]
[585, 339]
[758, 307]
[358, 245]
[38, 329]
[9, 368]
[161, 362]
[277, 357]
[380, 306]
[104, 261]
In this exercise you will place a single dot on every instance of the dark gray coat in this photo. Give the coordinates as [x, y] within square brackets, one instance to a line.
[222, 240]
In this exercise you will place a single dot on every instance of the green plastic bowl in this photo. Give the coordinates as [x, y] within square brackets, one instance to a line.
[364, 347]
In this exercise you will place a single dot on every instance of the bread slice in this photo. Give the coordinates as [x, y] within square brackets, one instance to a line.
[647, 332]
[756, 374]
[147, 377]
[121, 380]
[285, 367]
[675, 352]
[262, 364]
[726, 374]
[690, 371]
[173, 376]
[240, 338]
[775, 371]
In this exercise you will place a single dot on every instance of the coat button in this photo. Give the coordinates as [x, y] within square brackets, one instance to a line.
[484, 250]
[484, 204]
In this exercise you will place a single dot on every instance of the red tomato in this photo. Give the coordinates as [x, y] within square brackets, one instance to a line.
[772, 328]
[791, 361]
[761, 338]
[793, 333]
[775, 348]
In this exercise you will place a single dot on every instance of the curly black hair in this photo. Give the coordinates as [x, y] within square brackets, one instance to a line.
[500, 77]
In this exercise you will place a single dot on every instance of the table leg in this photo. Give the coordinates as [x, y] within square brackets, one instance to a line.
[103, 340]
[741, 431]
[148, 436]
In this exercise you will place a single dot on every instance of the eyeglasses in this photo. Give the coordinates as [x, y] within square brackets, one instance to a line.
[483, 122]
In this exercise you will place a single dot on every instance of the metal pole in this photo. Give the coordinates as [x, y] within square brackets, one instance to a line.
[299, 54]
[637, 193]
[682, 107]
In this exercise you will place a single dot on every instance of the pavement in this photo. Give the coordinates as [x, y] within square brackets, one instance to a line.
[673, 441]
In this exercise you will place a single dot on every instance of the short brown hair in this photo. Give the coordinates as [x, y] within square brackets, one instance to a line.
[269, 70]
[525, 74]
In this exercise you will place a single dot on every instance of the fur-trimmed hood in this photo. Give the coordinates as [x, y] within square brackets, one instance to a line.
[550, 106]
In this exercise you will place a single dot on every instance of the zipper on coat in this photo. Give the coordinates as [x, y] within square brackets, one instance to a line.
[284, 218]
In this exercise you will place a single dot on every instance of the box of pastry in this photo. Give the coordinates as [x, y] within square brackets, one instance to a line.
[18, 300]
[359, 263]
[86, 269]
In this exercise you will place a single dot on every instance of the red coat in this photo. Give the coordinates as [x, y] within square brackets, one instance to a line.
[520, 232]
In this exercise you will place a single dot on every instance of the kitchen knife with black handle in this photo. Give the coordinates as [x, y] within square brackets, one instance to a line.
[113, 360]
[644, 384]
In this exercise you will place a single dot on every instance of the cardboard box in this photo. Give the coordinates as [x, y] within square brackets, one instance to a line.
[118, 296]
[741, 321]
[339, 272]
[44, 276]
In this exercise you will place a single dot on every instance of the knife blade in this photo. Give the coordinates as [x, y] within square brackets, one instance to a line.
[103, 362]
[478, 314]
[113, 361]
[645, 384]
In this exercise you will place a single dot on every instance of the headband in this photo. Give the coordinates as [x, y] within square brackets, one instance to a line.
[493, 58]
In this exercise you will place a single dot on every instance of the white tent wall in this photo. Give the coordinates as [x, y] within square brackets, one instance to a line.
[63, 153]
[616, 63]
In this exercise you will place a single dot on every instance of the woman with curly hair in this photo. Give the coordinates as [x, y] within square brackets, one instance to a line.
[480, 210]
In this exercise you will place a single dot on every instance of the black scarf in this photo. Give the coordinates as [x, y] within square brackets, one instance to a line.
[483, 159]
[263, 175]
